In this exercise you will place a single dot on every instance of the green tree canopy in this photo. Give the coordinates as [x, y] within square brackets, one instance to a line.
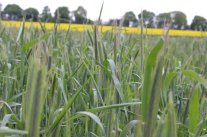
[199, 23]
[62, 14]
[163, 18]
[114, 22]
[31, 13]
[46, 14]
[146, 14]
[80, 15]
[147, 18]
[180, 19]
[0, 10]
[129, 17]
[14, 11]
[177, 18]
[0, 7]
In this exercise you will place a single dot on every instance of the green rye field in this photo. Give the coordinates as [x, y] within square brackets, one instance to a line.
[89, 84]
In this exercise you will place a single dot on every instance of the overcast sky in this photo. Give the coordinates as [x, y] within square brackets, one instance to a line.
[117, 8]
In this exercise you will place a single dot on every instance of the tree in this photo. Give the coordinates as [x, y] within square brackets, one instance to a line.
[0, 10]
[199, 23]
[148, 18]
[129, 17]
[177, 19]
[14, 11]
[163, 18]
[89, 21]
[31, 13]
[180, 19]
[62, 14]
[80, 15]
[46, 14]
[114, 22]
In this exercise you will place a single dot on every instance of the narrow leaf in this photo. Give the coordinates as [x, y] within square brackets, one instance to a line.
[147, 85]
[6, 119]
[192, 74]
[35, 42]
[94, 117]
[36, 94]
[194, 111]
[65, 109]
[6, 130]
[115, 79]
[168, 80]
[128, 128]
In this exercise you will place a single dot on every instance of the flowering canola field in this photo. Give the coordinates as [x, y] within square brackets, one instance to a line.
[83, 27]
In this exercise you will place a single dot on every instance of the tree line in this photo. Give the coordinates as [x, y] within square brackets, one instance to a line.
[177, 19]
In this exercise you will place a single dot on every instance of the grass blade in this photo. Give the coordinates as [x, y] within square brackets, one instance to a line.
[171, 119]
[194, 112]
[8, 131]
[35, 42]
[5, 120]
[99, 18]
[116, 80]
[107, 108]
[128, 128]
[65, 109]
[168, 80]
[148, 76]
[94, 117]
[104, 108]
[192, 74]
[36, 95]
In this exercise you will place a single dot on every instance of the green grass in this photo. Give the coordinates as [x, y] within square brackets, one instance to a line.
[55, 83]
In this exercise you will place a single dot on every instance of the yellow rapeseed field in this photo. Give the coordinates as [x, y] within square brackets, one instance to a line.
[81, 27]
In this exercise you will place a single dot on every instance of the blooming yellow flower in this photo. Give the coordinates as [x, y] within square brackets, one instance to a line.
[82, 27]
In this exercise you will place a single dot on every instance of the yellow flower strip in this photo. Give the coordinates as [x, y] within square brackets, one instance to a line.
[80, 27]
